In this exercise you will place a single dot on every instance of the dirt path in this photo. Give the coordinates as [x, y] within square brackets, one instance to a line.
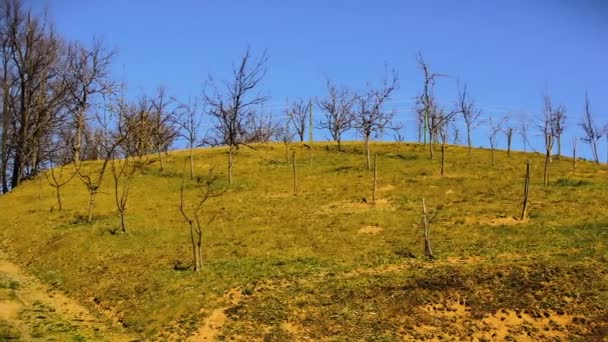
[31, 311]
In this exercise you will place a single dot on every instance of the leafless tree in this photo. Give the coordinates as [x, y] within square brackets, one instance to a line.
[189, 122]
[592, 132]
[509, 133]
[558, 121]
[369, 116]
[438, 123]
[285, 134]
[232, 106]
[93, 174]
[32, 91]
[466, 108]
[523, 132]
[495, 128]
[337, 107]
[85, 74]
[427, 219]
[192, 211]
[299, 114]
[56, 174]
[426, 104]
[164, 124]
[122, 174]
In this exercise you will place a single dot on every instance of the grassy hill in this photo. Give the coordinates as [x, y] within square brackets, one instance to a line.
[328, 264]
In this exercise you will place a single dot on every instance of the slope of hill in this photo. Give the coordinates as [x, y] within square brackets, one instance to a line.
[327, 263]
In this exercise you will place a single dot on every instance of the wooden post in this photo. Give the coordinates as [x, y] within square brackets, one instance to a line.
[524, 211]
[426, 224]
[295, 175]
[375, 178]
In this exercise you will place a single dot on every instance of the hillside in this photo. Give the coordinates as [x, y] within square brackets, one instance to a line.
[328, 264]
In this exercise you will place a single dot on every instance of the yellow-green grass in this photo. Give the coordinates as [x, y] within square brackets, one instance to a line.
[301, 259]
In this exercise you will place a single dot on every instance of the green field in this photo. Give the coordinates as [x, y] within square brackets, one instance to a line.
[327, 264]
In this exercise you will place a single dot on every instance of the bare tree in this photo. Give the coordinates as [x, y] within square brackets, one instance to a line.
[592, 132]
[466, 108]
[32, 91]
[338, 112]
[437, 125]
[285, 134]
[426, 100]
[427, 220]
[164, 124]
[56, 175]
[370, 117]
[122, 173]
[235, 104]
[192, 211]
[509, 133]
[189, 123]
[93, 174]
[495, 129]
[558, 121]
[299, 113]
[85, 75]
[523, 132]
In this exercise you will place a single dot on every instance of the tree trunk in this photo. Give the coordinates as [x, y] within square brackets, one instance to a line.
[375, 178]
[123, 224]
[295, 175]
[191, 162]
[199, 248]
[428, 252]
[430, 145]
[469, 139]
[559, 146]
[509, 136]
[367, 156]
[160, 159]
[574, 155]
[58, 192]
[91, 205]
[230, 163]
[492, 148]
[194, 251]
[78, 137]
[546, 172]
[286, 153]
[524, 211]
[442, 157]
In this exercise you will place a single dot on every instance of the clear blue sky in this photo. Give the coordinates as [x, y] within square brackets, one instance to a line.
[509, 52]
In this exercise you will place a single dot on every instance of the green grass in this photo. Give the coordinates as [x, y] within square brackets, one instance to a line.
[265, 235]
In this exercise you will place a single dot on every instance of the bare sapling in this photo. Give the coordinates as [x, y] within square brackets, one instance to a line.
[593, 133]
[426, 225]
[524, 211]
[122, 174]
[192, 211]
[56, 178]
[495, 128]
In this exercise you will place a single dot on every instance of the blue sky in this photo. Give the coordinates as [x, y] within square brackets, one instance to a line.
[509, 52]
